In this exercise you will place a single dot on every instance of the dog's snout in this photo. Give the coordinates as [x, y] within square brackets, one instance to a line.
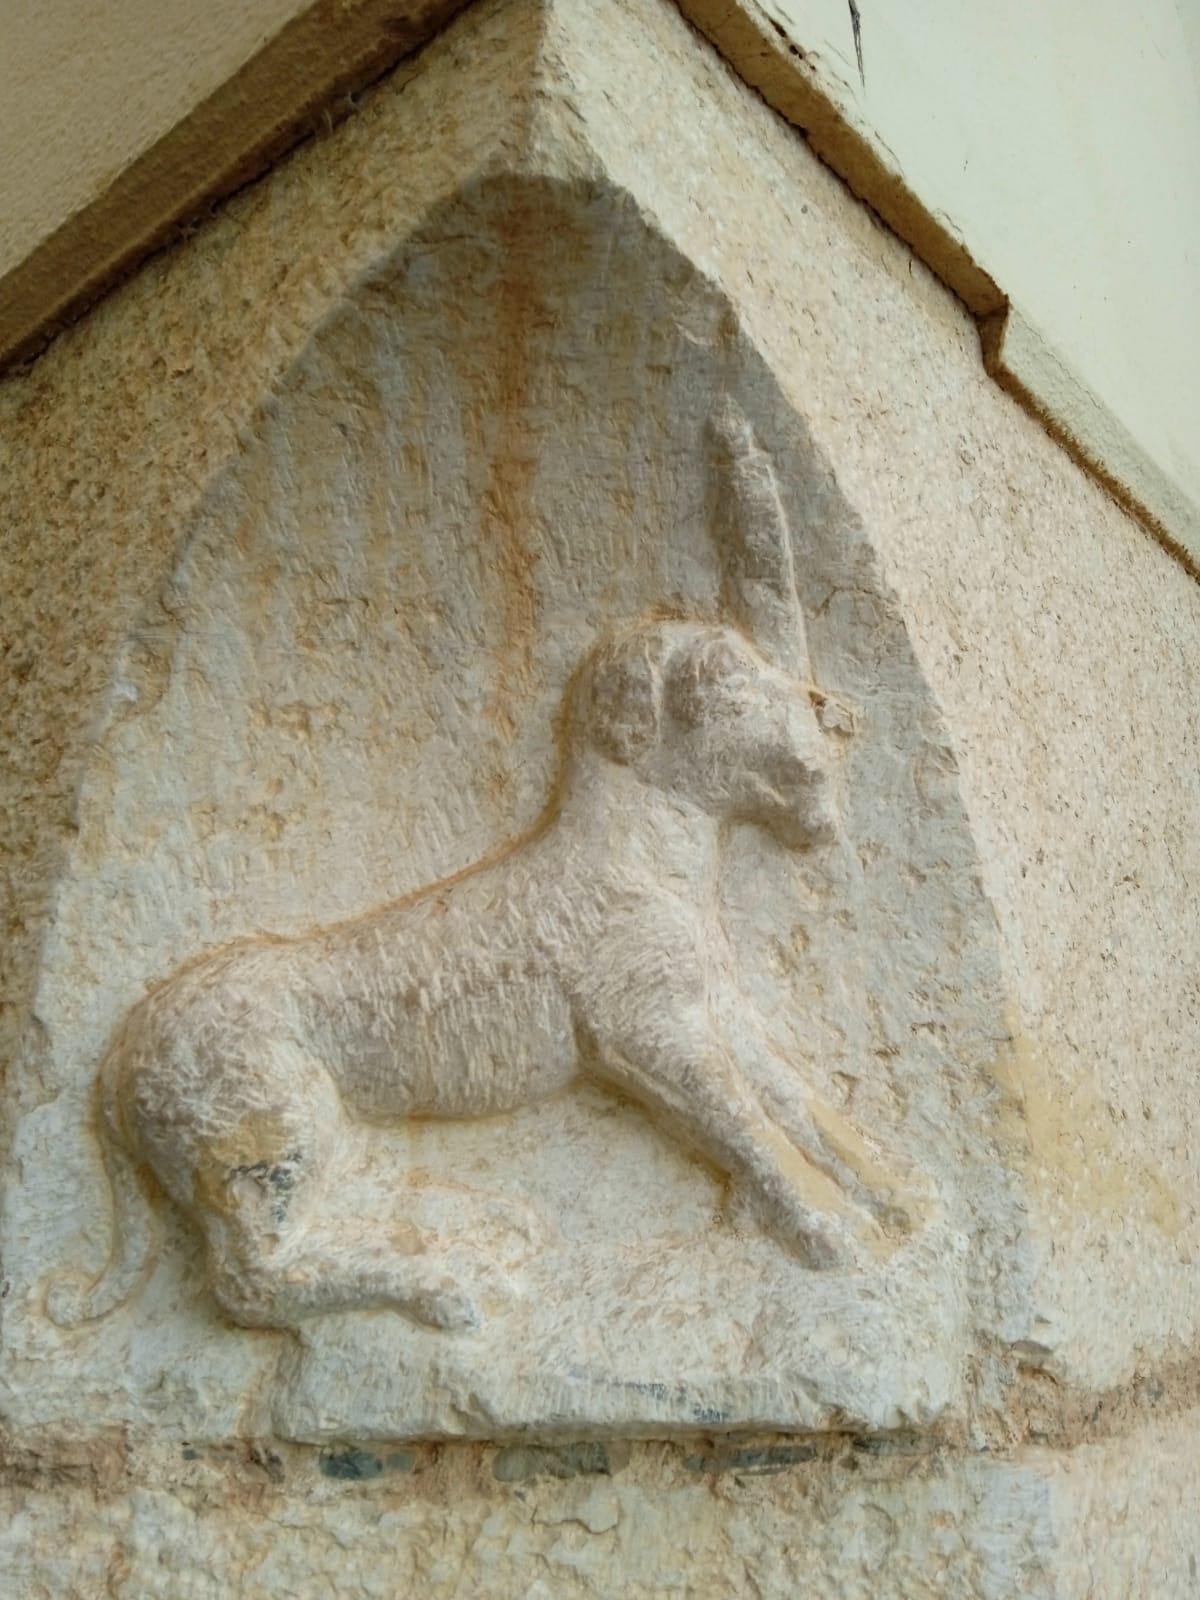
[797, 768]
[802, 779]
[800, 747]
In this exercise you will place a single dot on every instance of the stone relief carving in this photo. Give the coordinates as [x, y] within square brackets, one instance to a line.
[591, 948]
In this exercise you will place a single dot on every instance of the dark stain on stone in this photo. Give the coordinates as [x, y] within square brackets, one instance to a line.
[266, 1460]
[518, 1463]
[242, 1453]
[351, 1465]
[890, 1444]
[276, 1178]
[709, 1416]
[757, 1461]
[856, 28]
[655, 1389]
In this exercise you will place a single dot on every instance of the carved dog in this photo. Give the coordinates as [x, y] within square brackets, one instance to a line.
[591, 949]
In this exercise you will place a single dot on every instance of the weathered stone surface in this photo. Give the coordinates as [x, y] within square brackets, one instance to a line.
[1112, 1518]
[310, 530]
[725, 876]
[601, 949]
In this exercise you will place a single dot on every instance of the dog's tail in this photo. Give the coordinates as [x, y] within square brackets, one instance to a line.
[71, 1300]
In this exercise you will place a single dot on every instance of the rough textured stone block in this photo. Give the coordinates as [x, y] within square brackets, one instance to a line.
[592, 817]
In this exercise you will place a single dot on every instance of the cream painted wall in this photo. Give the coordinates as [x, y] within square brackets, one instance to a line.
[87, 85]
[1060, 142]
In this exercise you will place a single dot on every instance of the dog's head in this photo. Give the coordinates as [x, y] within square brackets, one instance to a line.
[697, 712]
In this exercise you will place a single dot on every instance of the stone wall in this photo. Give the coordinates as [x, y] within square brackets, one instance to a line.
[564, 350]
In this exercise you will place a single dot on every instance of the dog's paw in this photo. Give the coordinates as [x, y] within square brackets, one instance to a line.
[444, 1305]
[828, 1249]
[820, 1241]
[66, 1301]
[520, 1222]
[892, 1218]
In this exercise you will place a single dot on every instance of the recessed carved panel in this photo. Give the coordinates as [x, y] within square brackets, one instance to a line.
[524, 946]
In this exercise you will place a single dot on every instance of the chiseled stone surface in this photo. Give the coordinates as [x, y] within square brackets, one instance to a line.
[598, 1521]
[709, 786]
[313, 532]
[517, 784]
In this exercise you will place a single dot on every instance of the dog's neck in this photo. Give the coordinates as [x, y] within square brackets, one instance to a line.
[641, 827]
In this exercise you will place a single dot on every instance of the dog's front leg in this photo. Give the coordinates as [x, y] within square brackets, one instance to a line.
[813, 1126]
[682, 1073]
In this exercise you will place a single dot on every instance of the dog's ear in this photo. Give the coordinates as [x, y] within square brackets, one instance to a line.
[624, 699]
[712, 669]
[753, 536]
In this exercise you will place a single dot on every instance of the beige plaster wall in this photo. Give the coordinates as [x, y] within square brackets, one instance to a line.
[118, 121]
[1045, 161]
[86, 88]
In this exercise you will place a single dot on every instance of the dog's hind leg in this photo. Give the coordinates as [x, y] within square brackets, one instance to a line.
[274, 1257]
[325, 1269]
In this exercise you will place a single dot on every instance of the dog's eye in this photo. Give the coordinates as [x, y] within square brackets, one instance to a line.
[734, 684]
[725, 662]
